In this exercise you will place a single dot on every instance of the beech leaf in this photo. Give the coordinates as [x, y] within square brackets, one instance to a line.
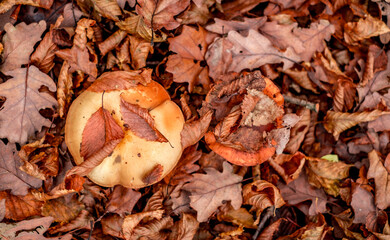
[131, 221]
[193, 131]
[208, 191]
[382, 180]
[140, 122]
[20, 115]
[19, 208]
[338, 122]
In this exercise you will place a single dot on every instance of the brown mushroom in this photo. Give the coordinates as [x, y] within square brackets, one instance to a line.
[137, 160]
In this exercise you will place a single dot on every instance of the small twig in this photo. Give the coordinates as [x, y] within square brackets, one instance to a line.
[309, 105]
[268, 213]
[90, 232]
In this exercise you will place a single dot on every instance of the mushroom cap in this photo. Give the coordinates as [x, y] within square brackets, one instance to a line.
[134, 157]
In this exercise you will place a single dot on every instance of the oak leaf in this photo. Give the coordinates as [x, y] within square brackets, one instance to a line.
[159, 14]
[187, 64]
[380, 173]
[11, 176]
[100, 136]
[338, 122]
[210, 189]
[19, 43]
[20, 115]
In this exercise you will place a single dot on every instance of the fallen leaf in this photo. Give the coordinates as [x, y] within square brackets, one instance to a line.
[12, 177]
[300, 190]
[131, 221]
[79, 59]
[362, 204]
[100, 136]
[8, 4]
[19, 208]
[298, 132]
[301, 78]
[364, 28]
[188, 64]
[338, 122]
[62, 209]
[153, 175]
[122, 200]
[154, 229]
[64, 89]
[139, 50]
[381, 177]
[20, 115]
[270, 230]
[112, 225]
[288, 166]
[160, 14]
[112, 42]
[185, 228]
[240, 217]
[210, 189]
[107, 8]
[82, 221]
[19, 44]
[193, 131]
[140, 122]
[221, 26]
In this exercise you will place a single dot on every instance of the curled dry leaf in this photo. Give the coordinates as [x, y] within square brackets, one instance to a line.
[62, 209]
[288, 166]
[364, 28]
[338, 122]
[155, 229]
[8, 4]
[380, 173]
[112, 225]
[19, 208]
[19, 43]
[12, 177]
[261, 195]
[301, 78]
[298, 132]
[187, 65]
[139, 50]
[131, 221]
[112, 42]
[193, 131]
[160, 14]
[240, 217]
[221, 26]
[326, 174]
[185, 229]
[64, 89]
[20, 115]
[82, 221]
[210, 189]
[344, 95]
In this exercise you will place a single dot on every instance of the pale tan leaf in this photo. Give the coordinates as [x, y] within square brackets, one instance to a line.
[193, 131]
[210, 189]
[161, 12]
[221, 26]
[139, 50]
[131, 221]
[64, 89]
[185, 229]
[20, 115]
[63, 209]
[111, 42]
[338, 122]
[83, 32]
[364, 28]
[19, 43]
[298, 132]
[6, 5]
[108, 9]
[382, 180]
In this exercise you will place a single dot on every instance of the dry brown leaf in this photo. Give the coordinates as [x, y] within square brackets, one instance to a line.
[210, 189]
[261, 195]
[185, 229]
[364, 28]
[112, 225]
[30, 229]
[326, 174]
[62, 209]
[155, 229]
[155, 202]
[83, 32]
[106, 8]
[43, 57]
[298, 132]
[338, 122]
[79, 59]
[378, 171]
[186, 65]
[135, 25]
[64, 89]
[217, 58]
[11, 176]
[362, 204]
[299, 191]
[6, 5]
[20, 115]
[122, 200]
[72, 15]
[301, 78]
[131, 221]
[19, 208]
[82, 221]
[270, 230]
[193, 131]
[221, 26]
[139, 50]
[288, 166]
[344, 95]
[160, 14]
[196, 14]
[316, 229]
[19, 43]
[112, 42]
[240, 217]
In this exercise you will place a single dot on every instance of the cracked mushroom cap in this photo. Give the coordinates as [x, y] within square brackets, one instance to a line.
[148, 122]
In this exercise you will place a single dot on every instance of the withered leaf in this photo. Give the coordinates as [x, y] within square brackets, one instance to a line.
[83, 32]
[210, 189]
[362, 204]
[82, 221]
[122, 200]
[139, 49]
[79, 59]
[338, 122]
[64, 88]
[185, 229]
[111, 42]
[193, 131]
[382, 180]
[63, 209]
[364, 28]
[154, 229]
[154, 175]
[19, 208]
[131, 221]
[11, 176]
[8, 4]
[160, 14]
[100, 136]
[20, 115]
[221, 26]
[19, 43]
[288, 166]
[112, 225]
[140, 122]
